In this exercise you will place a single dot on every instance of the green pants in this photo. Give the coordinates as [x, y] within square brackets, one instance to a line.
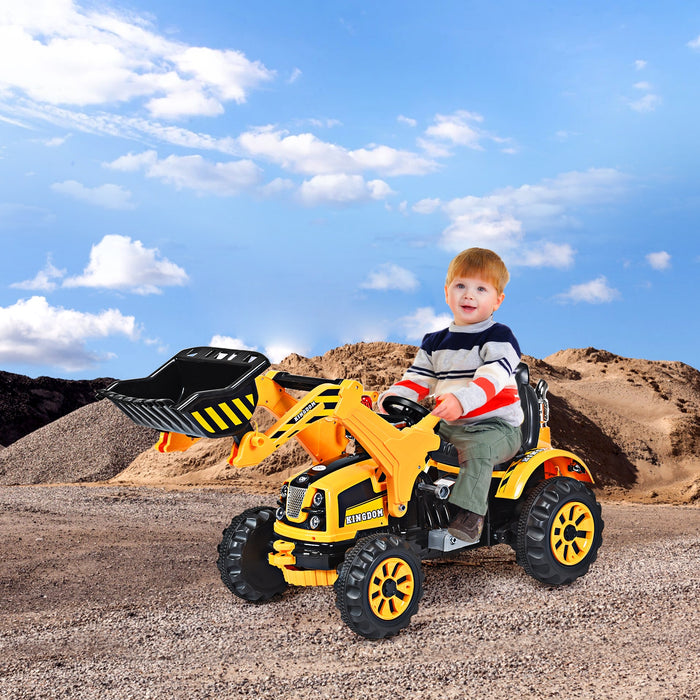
[480, 447]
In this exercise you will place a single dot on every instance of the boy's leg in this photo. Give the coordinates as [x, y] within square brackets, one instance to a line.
[480, 447]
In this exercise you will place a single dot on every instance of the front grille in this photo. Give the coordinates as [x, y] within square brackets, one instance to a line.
[295, 497]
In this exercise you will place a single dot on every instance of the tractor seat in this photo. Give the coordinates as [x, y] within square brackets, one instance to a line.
[530, 428]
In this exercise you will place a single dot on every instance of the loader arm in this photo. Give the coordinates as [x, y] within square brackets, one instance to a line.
[310, 420]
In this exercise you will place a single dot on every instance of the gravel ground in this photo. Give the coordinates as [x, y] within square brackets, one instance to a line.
[110, 592]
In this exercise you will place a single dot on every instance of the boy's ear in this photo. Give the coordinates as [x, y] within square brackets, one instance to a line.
[499, 300]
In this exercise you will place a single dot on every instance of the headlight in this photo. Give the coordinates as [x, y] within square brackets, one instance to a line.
[314, 522]
[279, 513]
[317, 500]
[285, 490]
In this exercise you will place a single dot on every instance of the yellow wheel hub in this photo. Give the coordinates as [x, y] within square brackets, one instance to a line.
[572, 533]
[391, 588]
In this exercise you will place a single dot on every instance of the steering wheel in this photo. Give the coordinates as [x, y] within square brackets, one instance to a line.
[409, 410]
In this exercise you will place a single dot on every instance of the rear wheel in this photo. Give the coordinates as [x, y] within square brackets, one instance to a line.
[243, 551]
[559, 531]
[379, 586]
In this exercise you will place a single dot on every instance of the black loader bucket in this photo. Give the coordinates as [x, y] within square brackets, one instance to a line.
[200, 392]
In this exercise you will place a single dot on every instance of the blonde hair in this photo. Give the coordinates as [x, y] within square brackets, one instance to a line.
[481, 262]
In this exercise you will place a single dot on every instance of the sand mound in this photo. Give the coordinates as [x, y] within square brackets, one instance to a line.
[92, 443]
[648, 410]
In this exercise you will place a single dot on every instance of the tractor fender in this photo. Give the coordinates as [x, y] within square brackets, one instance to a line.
[556, 463]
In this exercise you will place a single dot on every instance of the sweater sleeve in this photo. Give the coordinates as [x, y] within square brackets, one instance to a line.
[419, 379]
[494, 378]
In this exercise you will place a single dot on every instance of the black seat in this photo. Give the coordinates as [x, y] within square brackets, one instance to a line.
[530, 428]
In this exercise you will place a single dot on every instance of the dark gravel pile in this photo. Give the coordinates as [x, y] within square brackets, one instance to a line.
[93, 443]
[27, 404]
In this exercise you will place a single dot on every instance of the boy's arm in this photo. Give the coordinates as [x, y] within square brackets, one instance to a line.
[417, 382]
[493, 381]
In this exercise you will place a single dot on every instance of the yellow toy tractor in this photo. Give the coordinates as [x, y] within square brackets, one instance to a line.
[374, 501]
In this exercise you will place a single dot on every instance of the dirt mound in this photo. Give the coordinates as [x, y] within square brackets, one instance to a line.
[92, 443]
[648, 410]
[27, 404]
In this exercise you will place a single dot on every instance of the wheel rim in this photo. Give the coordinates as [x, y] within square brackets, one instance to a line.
[571, 536]
[391, 588]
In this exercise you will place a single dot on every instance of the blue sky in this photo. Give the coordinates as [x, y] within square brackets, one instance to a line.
[292, 177]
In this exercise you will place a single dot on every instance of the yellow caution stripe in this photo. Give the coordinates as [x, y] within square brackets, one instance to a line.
[226, 415]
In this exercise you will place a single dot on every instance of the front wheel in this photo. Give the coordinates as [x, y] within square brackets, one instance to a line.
[559, 531]
[243, 551]
[379, 586]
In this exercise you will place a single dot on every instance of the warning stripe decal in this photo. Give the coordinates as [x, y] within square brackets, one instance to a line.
[226, 415]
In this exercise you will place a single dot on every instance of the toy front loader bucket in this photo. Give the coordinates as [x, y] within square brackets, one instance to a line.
[200, 392]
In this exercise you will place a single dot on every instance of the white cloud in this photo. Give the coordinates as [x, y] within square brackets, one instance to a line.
[481, 225]
[296, 74]
[44, 279]
[501, 219]
[390, 276]
[309, 155]
[34, 332]
[597, 291]
[193, 172]
[276, 186]
[226, 341]
[694, 43]
[378, 189]
[547, 254]
[324, 123]
[639, 64]
[119, 125]
[275, 352]
[648, 103]
[56, 141]
[423, 320]
[107, 196]
[117, 262]
[461, 128]
[55, 52]
[642, 85]
[406, 120]
[341, 189]
[660, 260]
[457, 129]
[426, 206]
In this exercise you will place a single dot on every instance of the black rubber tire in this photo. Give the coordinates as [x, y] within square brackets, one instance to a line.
[368, 585]
[243, 551]
[549, 545]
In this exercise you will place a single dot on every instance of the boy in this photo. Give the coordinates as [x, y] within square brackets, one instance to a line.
[469, 367]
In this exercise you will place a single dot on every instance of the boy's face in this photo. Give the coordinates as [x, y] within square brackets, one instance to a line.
[472, 299]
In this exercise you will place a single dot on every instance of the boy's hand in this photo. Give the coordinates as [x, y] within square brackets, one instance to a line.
[380, 406]
[448, 407]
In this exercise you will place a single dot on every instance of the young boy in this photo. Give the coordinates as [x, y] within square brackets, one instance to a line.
[469, 368]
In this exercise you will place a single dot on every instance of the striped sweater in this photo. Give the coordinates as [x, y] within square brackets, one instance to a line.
[476, 363]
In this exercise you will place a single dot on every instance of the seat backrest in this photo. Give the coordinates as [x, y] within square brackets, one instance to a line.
[530, 428]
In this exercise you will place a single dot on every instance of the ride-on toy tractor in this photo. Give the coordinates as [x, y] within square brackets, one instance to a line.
[374, 501]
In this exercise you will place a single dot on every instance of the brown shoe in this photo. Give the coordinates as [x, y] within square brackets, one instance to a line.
[467, 526]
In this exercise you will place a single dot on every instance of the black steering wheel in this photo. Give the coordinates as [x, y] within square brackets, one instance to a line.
[409, 410]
